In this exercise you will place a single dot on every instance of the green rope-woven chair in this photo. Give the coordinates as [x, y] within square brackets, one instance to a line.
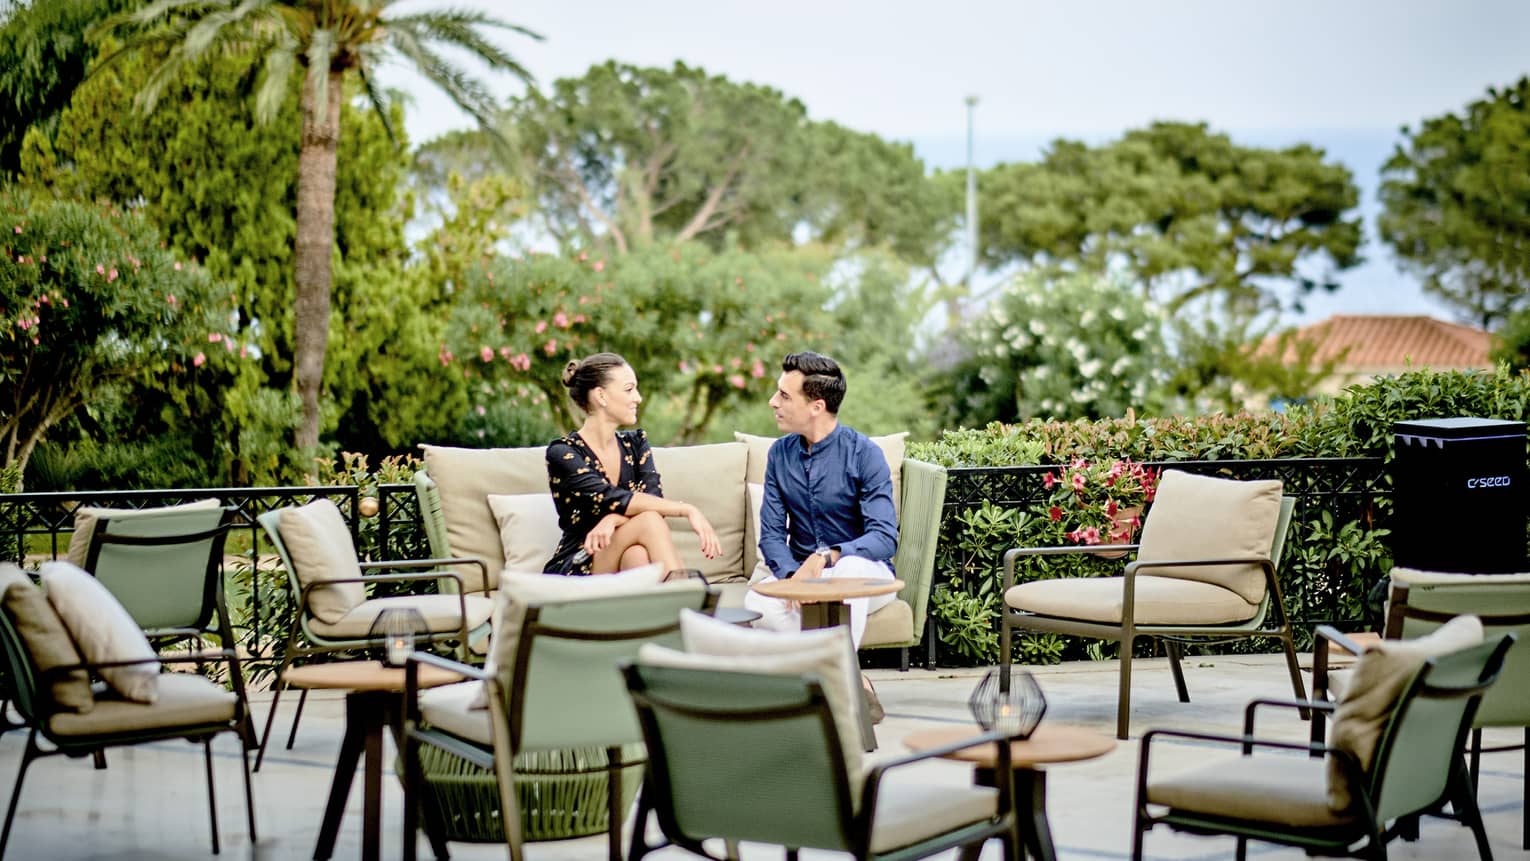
[561, 727]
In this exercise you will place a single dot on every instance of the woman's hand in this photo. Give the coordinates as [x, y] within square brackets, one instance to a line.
[600, 536]
[709, 544]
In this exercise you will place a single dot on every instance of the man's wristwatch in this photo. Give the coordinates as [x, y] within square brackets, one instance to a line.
[827, 554]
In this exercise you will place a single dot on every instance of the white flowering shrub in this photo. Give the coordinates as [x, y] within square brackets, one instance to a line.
[1061, 346]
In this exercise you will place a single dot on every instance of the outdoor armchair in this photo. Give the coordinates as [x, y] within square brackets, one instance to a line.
[545, 731]
[330, 608]
[1205, 571]
[52, 694]
[759, 757]
[1395, 753]
[1419, 603]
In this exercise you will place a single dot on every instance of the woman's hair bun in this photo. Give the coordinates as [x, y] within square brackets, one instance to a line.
[569, 370]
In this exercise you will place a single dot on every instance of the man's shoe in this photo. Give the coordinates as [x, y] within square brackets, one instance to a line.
[873, 703]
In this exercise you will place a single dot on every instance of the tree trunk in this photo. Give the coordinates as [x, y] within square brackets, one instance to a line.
[315, 241]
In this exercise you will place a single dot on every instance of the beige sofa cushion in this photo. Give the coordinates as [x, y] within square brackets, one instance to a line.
[45, 638]
[528, 529]
[103, 630]
[465, 478]
[892, 623]
[1156, 600]
[1377, 680]
[825, 654]
[184, 699]
[1197, 517]
[1417, 577]
[758, 570]
[1292, 790]
[892, 446]
[710, 477]
[320, 546]
[441, 614]
[85, 518]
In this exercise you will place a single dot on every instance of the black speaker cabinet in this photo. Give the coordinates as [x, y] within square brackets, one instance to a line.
[1460, 492]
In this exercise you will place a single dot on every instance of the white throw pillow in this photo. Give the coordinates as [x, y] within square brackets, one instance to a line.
[103, 630]
[528, 529]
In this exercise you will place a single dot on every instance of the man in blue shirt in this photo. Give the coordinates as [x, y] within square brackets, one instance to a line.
[828, 507]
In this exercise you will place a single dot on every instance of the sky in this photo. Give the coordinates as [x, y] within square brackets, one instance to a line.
[1341, 74]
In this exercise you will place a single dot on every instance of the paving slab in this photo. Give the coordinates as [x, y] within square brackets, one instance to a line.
[151, 802]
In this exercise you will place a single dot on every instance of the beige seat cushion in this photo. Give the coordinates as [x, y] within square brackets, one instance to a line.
[441, 613]
[893, 623]
[466, 477]
[184, 700]
[1196, 517]
[1417, 577]
[825, 653]
[1157, 600]
[103, 630]
[1377, 680]
[45, 637]
[459, 710]
[320, 545]
[1291, 790]
[710, 477]
[528, 529]
[910, 810]
[85, 518]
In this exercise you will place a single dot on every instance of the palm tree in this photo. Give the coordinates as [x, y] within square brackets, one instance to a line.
[327, 39]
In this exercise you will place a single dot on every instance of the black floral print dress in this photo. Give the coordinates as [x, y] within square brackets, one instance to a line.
[583, 495]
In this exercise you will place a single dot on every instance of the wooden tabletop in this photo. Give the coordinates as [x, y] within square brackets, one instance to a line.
[364, 676]
[819, 589]
[1049, 743]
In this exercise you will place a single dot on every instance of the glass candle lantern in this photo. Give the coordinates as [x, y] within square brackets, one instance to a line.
[1014, 712]
[397, 629]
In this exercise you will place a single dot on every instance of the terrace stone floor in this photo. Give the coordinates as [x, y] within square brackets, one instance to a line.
[151, 802]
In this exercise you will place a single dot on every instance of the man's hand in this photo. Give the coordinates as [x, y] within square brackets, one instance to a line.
[811, 567]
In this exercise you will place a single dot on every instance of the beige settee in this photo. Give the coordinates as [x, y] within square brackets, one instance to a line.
[494, 505]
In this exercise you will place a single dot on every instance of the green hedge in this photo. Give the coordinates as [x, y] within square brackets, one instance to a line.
[1334, 550]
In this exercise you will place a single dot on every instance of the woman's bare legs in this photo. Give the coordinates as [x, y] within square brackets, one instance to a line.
[647, 531]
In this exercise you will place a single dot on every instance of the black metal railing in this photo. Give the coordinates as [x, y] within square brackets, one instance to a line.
[35, 526]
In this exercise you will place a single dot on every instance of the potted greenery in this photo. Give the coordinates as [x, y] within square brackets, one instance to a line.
[1100, 502]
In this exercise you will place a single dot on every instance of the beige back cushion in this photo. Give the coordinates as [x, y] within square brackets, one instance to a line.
[1197, 517]
[528, 529]
[103, 630]
[892, 446]
[45, 637]
[466, 477]
[758, 570]
[710, 477]
[1378, 679]
[1418, 577]
[85, 518]
[825, 653]
[320, 545]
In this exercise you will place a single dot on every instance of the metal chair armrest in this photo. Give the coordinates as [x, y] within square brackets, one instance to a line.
[1014, 553]
[1300, 705]
[873, 778]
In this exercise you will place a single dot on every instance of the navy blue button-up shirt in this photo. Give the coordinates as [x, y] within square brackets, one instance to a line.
[835, 494]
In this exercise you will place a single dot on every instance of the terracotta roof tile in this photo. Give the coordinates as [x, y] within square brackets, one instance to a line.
[1381, 342]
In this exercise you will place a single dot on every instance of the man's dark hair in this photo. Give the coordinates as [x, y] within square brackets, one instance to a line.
[821, 378]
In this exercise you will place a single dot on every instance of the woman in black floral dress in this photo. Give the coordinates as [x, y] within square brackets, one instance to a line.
[610, 502]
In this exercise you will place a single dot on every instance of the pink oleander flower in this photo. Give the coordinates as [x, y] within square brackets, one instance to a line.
[757, 370]
[1080, 481]
[177, 265]
[737, 381]
[599, 266]
[170, 299]
[214, 337]
[540, 327]
[486, 353]
[560, 320]
[199, 360]
[551, 346]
